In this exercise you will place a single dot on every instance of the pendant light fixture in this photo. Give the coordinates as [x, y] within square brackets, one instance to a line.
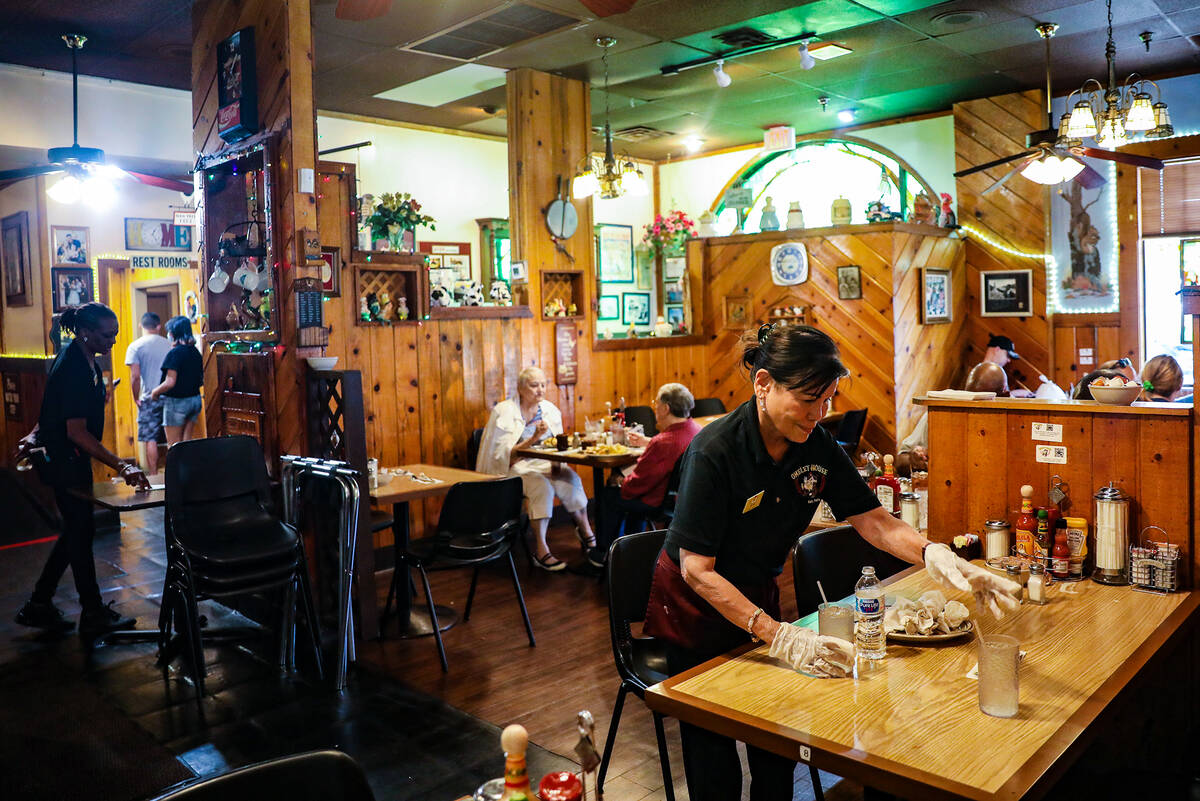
[1109, 112]
[607, 177]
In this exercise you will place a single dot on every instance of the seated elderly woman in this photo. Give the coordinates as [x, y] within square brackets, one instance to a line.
[518, 424]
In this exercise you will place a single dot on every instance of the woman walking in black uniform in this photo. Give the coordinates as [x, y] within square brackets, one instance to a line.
[69, 429]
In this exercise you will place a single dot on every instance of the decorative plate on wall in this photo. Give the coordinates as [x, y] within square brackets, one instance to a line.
[789, 264]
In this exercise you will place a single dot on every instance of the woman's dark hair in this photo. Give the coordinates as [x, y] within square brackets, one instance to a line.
[795, 356]
[88, 316]
[180, 330]
[1083, 390]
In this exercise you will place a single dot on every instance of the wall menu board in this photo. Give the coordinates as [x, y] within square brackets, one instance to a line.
[566, 353]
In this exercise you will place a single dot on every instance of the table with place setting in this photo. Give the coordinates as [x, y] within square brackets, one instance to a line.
[598, 457]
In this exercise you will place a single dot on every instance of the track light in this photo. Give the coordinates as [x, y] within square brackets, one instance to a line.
[807, 62]
[723, 78]
[847, 115]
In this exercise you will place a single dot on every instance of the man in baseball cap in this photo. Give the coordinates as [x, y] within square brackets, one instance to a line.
[1000, 349]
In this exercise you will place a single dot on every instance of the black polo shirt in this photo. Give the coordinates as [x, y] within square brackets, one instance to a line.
[75, 389]
[737, 504]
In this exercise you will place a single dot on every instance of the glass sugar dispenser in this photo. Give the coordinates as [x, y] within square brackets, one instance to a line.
[1112, 535]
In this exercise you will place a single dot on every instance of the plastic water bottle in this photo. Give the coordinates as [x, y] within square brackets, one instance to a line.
[868, 609]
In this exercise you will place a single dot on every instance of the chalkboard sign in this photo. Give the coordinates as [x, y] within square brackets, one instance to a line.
[309, 312]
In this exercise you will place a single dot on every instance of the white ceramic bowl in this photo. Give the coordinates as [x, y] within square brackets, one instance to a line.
[322, 362]
[1116, 396]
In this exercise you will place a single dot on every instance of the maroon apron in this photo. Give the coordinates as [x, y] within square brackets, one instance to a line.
[675, 612]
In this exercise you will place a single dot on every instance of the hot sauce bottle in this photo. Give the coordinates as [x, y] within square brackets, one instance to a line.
[1044, 540]
[514, 740]
[1060, 557]
[887, 486]
[1025, 529]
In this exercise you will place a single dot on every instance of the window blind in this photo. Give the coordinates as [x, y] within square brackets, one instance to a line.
[1170, 200]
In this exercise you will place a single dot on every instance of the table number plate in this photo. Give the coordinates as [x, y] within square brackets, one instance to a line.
[805, 753]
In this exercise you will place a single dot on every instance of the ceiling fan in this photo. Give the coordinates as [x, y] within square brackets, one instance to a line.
[1052, 158]
[83, 164]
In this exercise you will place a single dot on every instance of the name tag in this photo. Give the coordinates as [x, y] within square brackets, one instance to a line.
[752, 502]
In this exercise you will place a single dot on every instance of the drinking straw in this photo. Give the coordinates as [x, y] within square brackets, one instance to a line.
[822, 591]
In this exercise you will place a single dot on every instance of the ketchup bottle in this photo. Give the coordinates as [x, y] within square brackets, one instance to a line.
[887, 486]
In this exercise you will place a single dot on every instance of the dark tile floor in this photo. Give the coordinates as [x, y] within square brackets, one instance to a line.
[413, 746]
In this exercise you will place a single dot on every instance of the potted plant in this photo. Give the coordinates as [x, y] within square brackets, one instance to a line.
[669, 233]
[395, 214]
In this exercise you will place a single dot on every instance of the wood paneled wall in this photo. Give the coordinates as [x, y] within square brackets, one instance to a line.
[985, 130]
[890, 354]
[283, 44]
[981, 454]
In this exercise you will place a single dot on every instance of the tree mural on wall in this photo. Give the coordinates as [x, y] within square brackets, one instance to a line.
[1087, 278]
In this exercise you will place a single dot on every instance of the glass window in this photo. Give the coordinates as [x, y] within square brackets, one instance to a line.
[1166, 330]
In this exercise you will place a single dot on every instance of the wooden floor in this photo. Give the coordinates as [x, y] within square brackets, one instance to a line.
[495, 675]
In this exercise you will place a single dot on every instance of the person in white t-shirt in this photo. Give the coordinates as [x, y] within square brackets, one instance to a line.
[145, 357]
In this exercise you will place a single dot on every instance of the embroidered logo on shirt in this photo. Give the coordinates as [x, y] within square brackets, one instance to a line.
[810, 480]
[753, 501]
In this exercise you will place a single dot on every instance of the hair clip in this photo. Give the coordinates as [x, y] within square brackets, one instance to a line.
[1148, 386]
[764, 331]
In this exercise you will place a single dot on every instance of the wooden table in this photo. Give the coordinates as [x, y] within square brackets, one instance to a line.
[912, 724]
[599, 463]
[708, 418]
[120, 497]
[415, 620]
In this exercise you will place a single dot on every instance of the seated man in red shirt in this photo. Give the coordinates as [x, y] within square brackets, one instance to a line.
[641, 492]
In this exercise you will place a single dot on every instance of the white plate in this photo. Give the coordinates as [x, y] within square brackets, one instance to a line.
[927, 639]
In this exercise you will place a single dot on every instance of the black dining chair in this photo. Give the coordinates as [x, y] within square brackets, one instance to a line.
[835, 556]
[474, 440]
[314, 776]
[641, 661]
[224, 539]
[706, 407]
[847, 429]
[479, 522]
[643, 415]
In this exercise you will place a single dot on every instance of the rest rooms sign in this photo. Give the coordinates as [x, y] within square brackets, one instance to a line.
[160, 262]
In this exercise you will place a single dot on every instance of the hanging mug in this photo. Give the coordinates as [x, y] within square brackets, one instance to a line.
[218, 282]
[246, 276]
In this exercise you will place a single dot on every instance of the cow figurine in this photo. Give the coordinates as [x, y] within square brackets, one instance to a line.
[500, 293]
[472, 295]
[441, 296]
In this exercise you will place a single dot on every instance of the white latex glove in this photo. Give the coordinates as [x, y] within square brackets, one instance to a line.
[992, 592]
[812, 653]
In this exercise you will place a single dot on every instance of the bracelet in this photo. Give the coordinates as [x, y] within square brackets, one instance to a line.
[750, 624]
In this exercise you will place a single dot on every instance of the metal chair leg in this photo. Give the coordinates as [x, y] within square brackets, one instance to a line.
[310, 617]
[520, 599]
[471, 595]
[611, 739]
[437, 632]
[668, 785]
[818, 790]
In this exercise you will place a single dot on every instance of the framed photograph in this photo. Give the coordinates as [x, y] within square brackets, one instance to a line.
[614, 245]
[460, 263]
[70, 243]
[849, 282]
[737, 312]
[635, 308]
[15, 258]
[1007, 293]
[520, 272]
[145, 234]
[433, 261]
[644, 268]
[936, 303]
[674, 268]
[72, 286]
[331, 271]
[609, 308]
[675, 315]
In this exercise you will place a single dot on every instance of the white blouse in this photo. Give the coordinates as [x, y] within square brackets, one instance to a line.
[504, 430]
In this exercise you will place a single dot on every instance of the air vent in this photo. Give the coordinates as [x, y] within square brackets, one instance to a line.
[744, 37]
[505, 28]
[640, 133]
[959, 18]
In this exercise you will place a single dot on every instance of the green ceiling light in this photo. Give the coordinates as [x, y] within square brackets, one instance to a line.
[609, 177]
[1110, 112]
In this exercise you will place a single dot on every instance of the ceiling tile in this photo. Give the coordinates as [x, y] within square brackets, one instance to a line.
[382, 69]
[405, 22]
[678, 19]
[961, 15]
[1171, 6]
[824, 17]
[894, 8]
[1188, 23]
[573, 46]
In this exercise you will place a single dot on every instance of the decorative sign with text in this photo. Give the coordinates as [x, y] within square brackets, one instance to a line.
[566, 353]
[160, 262]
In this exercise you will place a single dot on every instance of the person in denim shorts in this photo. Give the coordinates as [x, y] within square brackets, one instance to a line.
[182, 377]
[145, 357]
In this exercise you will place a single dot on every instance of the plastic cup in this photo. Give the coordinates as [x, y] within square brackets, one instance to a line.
[561, 441]
[834, 620]
[998, 675]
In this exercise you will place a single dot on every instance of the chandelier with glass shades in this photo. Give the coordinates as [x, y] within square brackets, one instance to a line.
[611, 176]
[1111, 113]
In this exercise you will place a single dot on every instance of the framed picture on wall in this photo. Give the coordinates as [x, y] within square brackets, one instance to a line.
[608, 308]
[72, 286]
[674, 268]
[675, 315]
[644, 268]
[849, 282]
[331, 269]
[635, 308]
[614, 245]
[1006, 293]
[936, 304]
[70, 244]
[15, 258]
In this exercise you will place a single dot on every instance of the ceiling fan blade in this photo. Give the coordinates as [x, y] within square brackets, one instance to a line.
[29, 172]
[1089, 178]
[991, 164]
[1003, 180]
[162, 183]
[1122, 158]
[359, 10]
[606, 8]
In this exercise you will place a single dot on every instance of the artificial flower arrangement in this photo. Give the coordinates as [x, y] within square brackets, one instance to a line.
[396, 211]
[670, 232]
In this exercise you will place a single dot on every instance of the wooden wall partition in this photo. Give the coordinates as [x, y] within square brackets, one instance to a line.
[981, 453]
[283, 44]
[891, 355]
[1014, 214]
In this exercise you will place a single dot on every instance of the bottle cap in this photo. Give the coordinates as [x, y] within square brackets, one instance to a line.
[1026, 490]
[1042, 513]
[514, 740]
[889, 459]
[1036, 568]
